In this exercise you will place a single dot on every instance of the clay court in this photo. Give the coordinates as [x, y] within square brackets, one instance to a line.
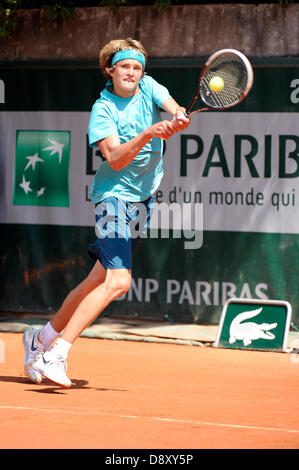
[138, 395]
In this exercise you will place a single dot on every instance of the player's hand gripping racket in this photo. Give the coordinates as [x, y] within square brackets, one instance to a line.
[225, 81]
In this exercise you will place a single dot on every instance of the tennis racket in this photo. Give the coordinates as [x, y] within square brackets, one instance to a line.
[225, 81]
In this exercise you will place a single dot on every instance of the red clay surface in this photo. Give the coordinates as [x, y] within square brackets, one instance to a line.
[136, 395]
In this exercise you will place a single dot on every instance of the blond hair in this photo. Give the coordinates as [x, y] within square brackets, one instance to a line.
[108, 51]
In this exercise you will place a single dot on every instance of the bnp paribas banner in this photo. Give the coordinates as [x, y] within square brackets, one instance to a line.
[226, 222]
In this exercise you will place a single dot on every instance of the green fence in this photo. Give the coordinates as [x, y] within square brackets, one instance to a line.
[242, 165]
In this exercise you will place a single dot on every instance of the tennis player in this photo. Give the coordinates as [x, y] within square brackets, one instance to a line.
[125, 124]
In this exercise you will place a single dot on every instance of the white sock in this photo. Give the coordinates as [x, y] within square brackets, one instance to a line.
[61, 348]
[47, 334]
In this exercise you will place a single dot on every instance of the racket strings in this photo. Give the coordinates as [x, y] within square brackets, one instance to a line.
[234, 74]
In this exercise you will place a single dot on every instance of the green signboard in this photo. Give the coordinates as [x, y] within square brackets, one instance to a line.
[254, 324]
[42, 168]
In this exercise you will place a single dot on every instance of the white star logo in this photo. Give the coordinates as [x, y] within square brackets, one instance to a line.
[25, 185]
[56, 147]
[41, 191]
[32, 161]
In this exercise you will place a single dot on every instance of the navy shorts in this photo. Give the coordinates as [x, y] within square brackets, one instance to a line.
[120, 227]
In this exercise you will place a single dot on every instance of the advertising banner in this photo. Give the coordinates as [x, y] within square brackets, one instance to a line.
[234, 173]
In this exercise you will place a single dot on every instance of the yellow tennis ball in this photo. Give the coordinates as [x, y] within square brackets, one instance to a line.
[216, 84]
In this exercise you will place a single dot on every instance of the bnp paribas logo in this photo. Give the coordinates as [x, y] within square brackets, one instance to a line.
[42, 168]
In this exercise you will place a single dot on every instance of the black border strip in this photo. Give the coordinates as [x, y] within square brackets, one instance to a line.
[157, 62]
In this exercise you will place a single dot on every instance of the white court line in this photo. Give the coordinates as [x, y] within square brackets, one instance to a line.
[149, 418]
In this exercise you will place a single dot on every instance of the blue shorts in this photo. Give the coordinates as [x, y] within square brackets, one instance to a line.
[120, 227]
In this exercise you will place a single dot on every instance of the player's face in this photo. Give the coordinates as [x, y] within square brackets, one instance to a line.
[126, 76]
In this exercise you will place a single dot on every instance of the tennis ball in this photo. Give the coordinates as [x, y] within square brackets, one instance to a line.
[216, 84]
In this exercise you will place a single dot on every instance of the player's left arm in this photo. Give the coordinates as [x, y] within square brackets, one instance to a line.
[180, 121]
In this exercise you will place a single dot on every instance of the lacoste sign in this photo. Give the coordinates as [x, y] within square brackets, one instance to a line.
[254, 324]
[42, 168]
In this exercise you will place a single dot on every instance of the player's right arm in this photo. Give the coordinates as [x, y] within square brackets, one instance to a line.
[120, 155]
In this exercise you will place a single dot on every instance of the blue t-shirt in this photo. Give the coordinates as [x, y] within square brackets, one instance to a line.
[128, 117]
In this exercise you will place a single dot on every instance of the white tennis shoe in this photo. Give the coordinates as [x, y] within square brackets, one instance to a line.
[53, 367]
[33, 350]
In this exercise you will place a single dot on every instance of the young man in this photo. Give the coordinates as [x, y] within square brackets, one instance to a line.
[125, 124]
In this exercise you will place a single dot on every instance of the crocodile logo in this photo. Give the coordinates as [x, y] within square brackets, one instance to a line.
[250, 331]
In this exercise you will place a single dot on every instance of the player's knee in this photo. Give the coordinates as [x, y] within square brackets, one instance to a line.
[119, 285]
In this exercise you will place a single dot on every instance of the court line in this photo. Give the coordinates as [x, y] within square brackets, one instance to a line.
[81, 411]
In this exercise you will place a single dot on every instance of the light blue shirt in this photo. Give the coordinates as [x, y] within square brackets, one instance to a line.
[128, 117]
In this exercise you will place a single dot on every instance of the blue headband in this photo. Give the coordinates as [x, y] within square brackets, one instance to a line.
[128, 54]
